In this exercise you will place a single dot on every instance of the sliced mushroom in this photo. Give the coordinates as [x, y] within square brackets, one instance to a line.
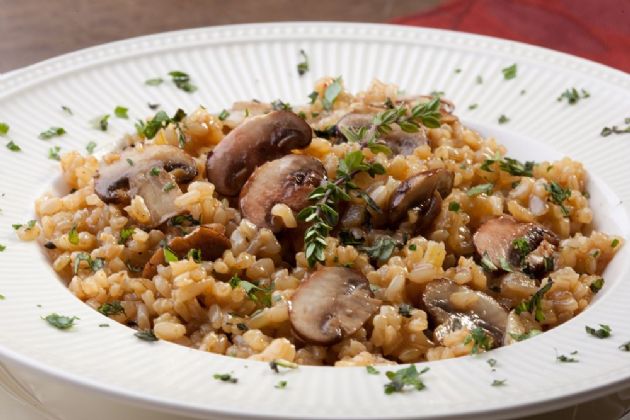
[257, 140]
[288, 180]
[152, 173]
[516, 286]
[423, 191]
[209, 242]
[453, 307]
[494, 241]
[332, 303]
[399, 141]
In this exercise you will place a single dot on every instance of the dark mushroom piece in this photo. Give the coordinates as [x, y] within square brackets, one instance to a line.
[480, 310]
[152, 173]
[399, 141]
[288, 180]
[210, 243]
[257, 140]
[332, 303]
[424, 192]
[504, 243]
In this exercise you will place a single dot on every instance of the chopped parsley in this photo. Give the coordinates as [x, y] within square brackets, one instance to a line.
[169, 255]
[534, 304]
[111, 308]
[614, 243]
[153, 106]
[225, 377]
[168, 186]
[182, 81]
[155, 171]
[521, 246]
[101, 123]
[313, 96]
[2, 247]
[73, 235]
[60, 322]
[473, 106]
[146, 335]
[509, 72]
[406, 377]
[125, 234]
[491, 362]
[66, 110]
[525, 336]
[195, 254]
[223, 115]
[480, 339]
[603, 332]
[573, 96]
[559, 195]
[279, 105]
[512, 166]
[275, 364]
[371, 370]
[454, 206]
[13, 147]
[254, 293]
[503, 119]
[103, 325]
[412, 247]
[95, 264]
[381, 250]
[53, 153]
[625, 346]
[607, 131]
[90, 147]
[498, 382]
[330, 94]
[480, 189]
[303, 66]
[567, 359]
[281, 385]
[121, 112]
[154, 82]
[29, 225]
[457, 70]
[405, 310]
[479, 79]
[4, 129]
[597, 285]
[52, 132]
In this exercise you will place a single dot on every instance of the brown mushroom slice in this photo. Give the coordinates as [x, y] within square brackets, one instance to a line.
[418, 191]
[288, 180]
[517, 286]
[257, 140]
[159, 193]
[453, 307]
[112, 183]
[399, 141]
[494, 241]
[332, 303]
[209, 242]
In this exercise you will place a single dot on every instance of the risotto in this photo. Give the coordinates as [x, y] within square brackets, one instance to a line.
[357, 230]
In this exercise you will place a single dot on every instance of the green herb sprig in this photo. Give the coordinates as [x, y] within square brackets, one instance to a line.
[533, 304]
[407, 377]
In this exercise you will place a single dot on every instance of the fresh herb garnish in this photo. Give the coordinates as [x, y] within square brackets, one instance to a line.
[52, 132]
[381, 250]
[111, 308]
[4, 129]
[182, 81]
[225, 377]
[195, 254]
[597, 285]
[303, 66]
[275, 364]
[146, 335]
[492, 363]
[95, 264]
[503, 119]
[625, 346]
[509, 165]
[73, 235]
[607, 131]
[60, 322]
[480, 339]
[521, 246]
[66, 110]
[103, 325]
[223, 115]
[13, 147]
[169, 255]
[473, 106]
[168, 186]
[509, 73]
[498, 382]
[279, 105]
[603, 332]
[402, 378]
[567, 359]
[405, 310]
[412, 247]
[573, 96]
[101, 123]
[479, 79]
[330, 94]
[480, 189]
[125, 234]
[2, 247]
[154, 82]
[153, 106]
[281, 385]
[121, 112]
[525, 336]
[454, 206]
[29, 225]
[322, 213]
[161, 120]
[254, 293]
[313, 96]
[371, 370]
[53, 153]
[90, 147]
[614, 243]
[534, 304]
[559, 195]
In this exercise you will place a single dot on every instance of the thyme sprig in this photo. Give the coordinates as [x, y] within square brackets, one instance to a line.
[323, 212]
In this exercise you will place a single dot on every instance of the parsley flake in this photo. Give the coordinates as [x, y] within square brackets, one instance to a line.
[169, 255]
[534, 304]
[559, 195]
[625, 346]
[225, 377]
[597, 285]
[53, 153]
[154, 82]
[60, 322]
[509, 72]
[66, 110]
[480, 339]
[101, 123]
[525, 336]
[73, 235]
[13, 147]
[454, 206]
[223, 115]
[111, 308]
[499, 382]
[52, 132]
[121, 112]
[281, 385]
[303, 66]
[573, 96]
[146, 335]
[503, 119]
[4, 129]
[371, 370]
[182, 81]
[330, 94]
[480, 189]
[406, 377]
[603, 332]
[275, 364]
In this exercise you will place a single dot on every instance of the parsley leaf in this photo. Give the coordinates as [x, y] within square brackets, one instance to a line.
[125, 234]
[498, 382]
[602, 332]
[480, 189]
[66, 110]
[154, 82]
[60, 322]
[52, 132]
[405, 310]
[503, 119]
[402, 378]
[121, 112]
[480, 339]
[597, 285]
[533, 305]
[625, 346]
[146, 335]
[372, 370]
[275, 364]
[13, 147]
[101, 123]
[330, 94]
[281, 385]
[90, 147]
[182, 81]
[525, 336]
[111, 308]
[4, 129]
[559, 195]
[53, 153]
[381, 250]
[73, 235]
[567, 359]
[509, 72]
[254, 293]
[303, 66]
[169, 255]
[223, 115]
[225, 377]
[573, 96]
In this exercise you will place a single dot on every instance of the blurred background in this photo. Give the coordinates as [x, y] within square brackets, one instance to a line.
[33, 30]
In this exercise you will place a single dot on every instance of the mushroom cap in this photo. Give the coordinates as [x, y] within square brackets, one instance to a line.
[210, 242]
[399, 141]
[112, 183]
[494, 239]
[288, 180]
[418, 189]
[332, 303]
[453, 307]
[257, 140]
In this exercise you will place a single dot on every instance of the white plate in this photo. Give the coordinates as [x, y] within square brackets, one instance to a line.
[259, 61]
